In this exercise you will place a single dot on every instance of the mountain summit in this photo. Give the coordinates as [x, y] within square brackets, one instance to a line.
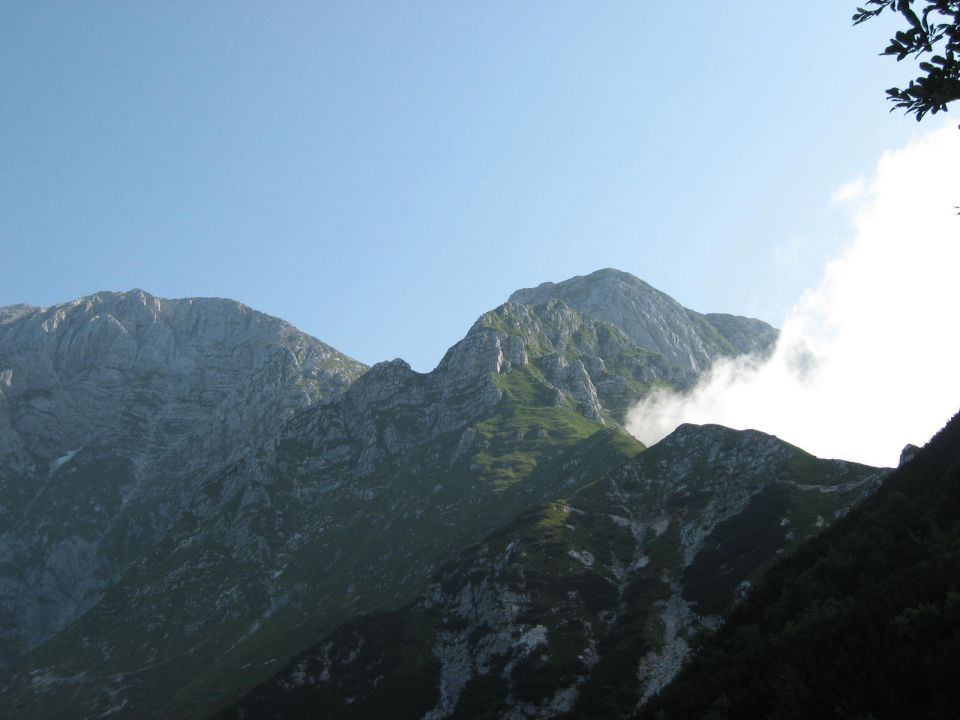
[112, 407]
[654, 320]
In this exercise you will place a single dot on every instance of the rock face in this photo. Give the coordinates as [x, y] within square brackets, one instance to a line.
[212, 371]
[747, 335]
[194, 492]
[353, 507]
[654, 320]
[583, 607]
[111, 407]
[906, 455]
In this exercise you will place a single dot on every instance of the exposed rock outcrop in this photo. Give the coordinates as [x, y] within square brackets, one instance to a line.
[654, 320]
[587, 605]
[111, 409]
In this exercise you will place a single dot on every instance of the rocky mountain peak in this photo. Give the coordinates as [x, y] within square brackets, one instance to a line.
[71, 368]
[654, 320]
[9, 313]
[112, 408]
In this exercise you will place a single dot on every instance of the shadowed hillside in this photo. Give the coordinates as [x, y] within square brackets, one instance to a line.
[862, 622]
[583, 606]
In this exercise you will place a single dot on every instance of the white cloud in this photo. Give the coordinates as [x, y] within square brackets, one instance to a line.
[869, 359]
[850, 191]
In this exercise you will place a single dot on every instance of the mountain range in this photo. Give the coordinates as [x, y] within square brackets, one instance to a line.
[205, 512]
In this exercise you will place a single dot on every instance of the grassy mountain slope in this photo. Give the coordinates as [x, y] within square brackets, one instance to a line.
[580, 605]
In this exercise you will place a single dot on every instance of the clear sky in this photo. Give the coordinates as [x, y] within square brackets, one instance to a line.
[381, 173]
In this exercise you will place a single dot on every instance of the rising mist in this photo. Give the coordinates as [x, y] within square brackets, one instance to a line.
[866, 360]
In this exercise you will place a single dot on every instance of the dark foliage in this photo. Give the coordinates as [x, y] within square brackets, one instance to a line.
[375, 658]
[862, 622]
[930, 23]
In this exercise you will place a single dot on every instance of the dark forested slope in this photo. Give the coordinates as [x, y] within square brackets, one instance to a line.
[862, 622]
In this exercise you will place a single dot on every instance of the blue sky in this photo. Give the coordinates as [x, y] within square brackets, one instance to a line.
[381, 173]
